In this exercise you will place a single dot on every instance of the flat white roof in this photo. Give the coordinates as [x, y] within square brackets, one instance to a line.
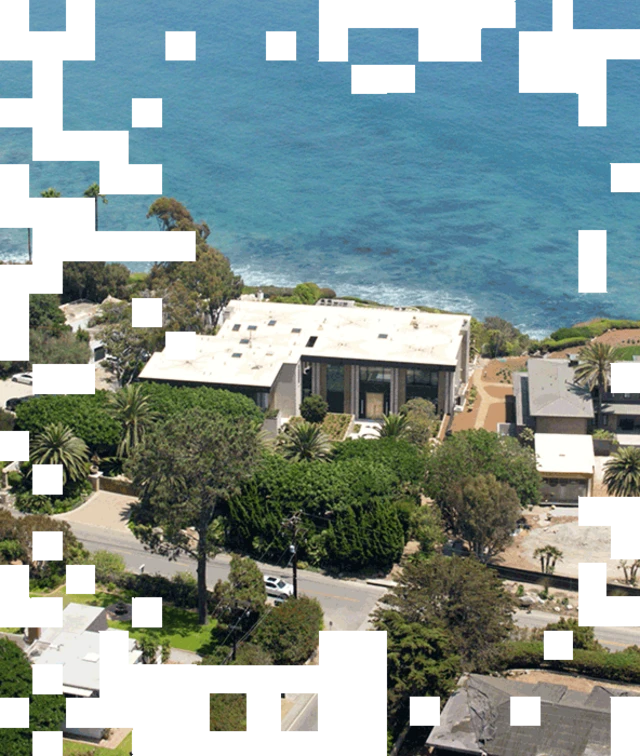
[257, 338]
[76, 618]
[78, 659]
[565, 453]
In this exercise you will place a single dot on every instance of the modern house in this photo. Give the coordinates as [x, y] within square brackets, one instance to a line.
[566, 463]
[476, 720]
[548, 400]
[620, 413]
[76, 645]
[365, 361]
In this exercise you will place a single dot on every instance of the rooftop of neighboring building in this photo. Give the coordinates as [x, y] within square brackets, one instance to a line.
[565, 453]
[548, 389]
[476, 719]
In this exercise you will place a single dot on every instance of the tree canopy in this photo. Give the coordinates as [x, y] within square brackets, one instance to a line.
[46, 712]
[481, 452]
[458, 595]
[187, 468]
[94, 281]
[483, 511]
[289, 633]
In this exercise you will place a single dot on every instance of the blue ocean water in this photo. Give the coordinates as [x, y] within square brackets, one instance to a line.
[466, 195]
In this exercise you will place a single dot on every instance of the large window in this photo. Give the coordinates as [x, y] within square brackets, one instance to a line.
[422, 383]
[375, 392]
[335, 388]
[306, 380]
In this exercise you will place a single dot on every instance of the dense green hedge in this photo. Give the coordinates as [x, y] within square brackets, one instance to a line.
[555, 346]
[85, 414]
[622, 666]
[169, 400]
[352, 519]
[593, 329]
[405, 460]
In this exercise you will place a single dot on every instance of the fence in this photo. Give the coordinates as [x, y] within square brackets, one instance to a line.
[561, 582]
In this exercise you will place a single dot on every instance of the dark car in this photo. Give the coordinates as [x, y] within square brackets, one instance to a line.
[11, 404]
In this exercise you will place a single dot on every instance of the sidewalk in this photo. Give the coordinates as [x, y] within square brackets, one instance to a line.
[300, 702]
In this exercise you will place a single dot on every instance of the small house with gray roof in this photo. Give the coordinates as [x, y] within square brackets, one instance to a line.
[548, 399]
[476, 720]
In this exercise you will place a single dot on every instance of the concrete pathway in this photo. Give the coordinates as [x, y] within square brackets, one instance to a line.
[180, 656]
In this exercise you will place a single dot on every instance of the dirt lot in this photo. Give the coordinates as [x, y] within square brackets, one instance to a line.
[559, 527]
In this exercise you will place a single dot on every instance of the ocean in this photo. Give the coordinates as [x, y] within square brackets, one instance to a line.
[465, 196]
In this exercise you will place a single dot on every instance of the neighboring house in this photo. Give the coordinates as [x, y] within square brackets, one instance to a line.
[76, 645]
[364, 361]
[620, 411]
[567, 465]
[476, 720]
[548, 400]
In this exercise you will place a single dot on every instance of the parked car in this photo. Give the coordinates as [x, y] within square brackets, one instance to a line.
[23, 378]
[277, 587]
[12, 403]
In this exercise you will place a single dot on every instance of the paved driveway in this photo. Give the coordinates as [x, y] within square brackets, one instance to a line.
[103, 510]
[9, 389]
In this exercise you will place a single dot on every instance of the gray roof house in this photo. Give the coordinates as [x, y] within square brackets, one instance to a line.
[548, 399]
[476, 720]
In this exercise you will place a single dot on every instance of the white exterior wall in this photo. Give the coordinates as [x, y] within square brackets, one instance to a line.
[286, 390]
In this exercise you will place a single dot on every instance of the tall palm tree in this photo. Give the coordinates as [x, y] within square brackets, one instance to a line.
[394, 426]
[548, 556]
[50, 192]
[130, 407]
[622, 472]
[94, 191]
[594, 369]
[56, 445]
[304, 441]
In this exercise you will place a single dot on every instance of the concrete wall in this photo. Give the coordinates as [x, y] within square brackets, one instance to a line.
[285, 391]
[445, 391]
[347, 388]
[575, 425]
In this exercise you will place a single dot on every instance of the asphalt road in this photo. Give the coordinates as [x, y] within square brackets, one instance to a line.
[346, 603]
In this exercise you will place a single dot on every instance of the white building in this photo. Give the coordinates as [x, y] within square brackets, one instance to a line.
[567, 465]
[365, 361]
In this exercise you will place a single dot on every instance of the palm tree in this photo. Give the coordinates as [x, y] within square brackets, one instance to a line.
[394, 426]
[304, 441]
[130, 407]
[50, 192]
[56, 445]
[94, 191]
[594, 369]
[622, 472]
[548, 556]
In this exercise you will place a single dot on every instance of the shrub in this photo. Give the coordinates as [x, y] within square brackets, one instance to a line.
[290, 631]
[109, 566]
[314, 408]
[399, 456]
[168, 401]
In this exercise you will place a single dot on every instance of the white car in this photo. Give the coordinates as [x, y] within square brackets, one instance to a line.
[23, 378]
[277, 587]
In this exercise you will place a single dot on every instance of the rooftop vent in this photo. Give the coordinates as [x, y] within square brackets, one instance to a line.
[296, 330]
[252, 328]
[312, 341]
[236, 354]
[91, 657]
[272, 322]
[245, 341]
[383, 335]
[236, 327]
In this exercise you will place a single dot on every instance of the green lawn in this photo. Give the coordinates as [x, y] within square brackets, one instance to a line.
[180, 625]
[627, 352]
[124, 749]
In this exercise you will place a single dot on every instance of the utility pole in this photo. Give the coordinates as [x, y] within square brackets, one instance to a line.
[293, 525]
[243, 613]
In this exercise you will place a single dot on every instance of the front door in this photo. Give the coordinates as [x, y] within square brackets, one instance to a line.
[374, 405]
